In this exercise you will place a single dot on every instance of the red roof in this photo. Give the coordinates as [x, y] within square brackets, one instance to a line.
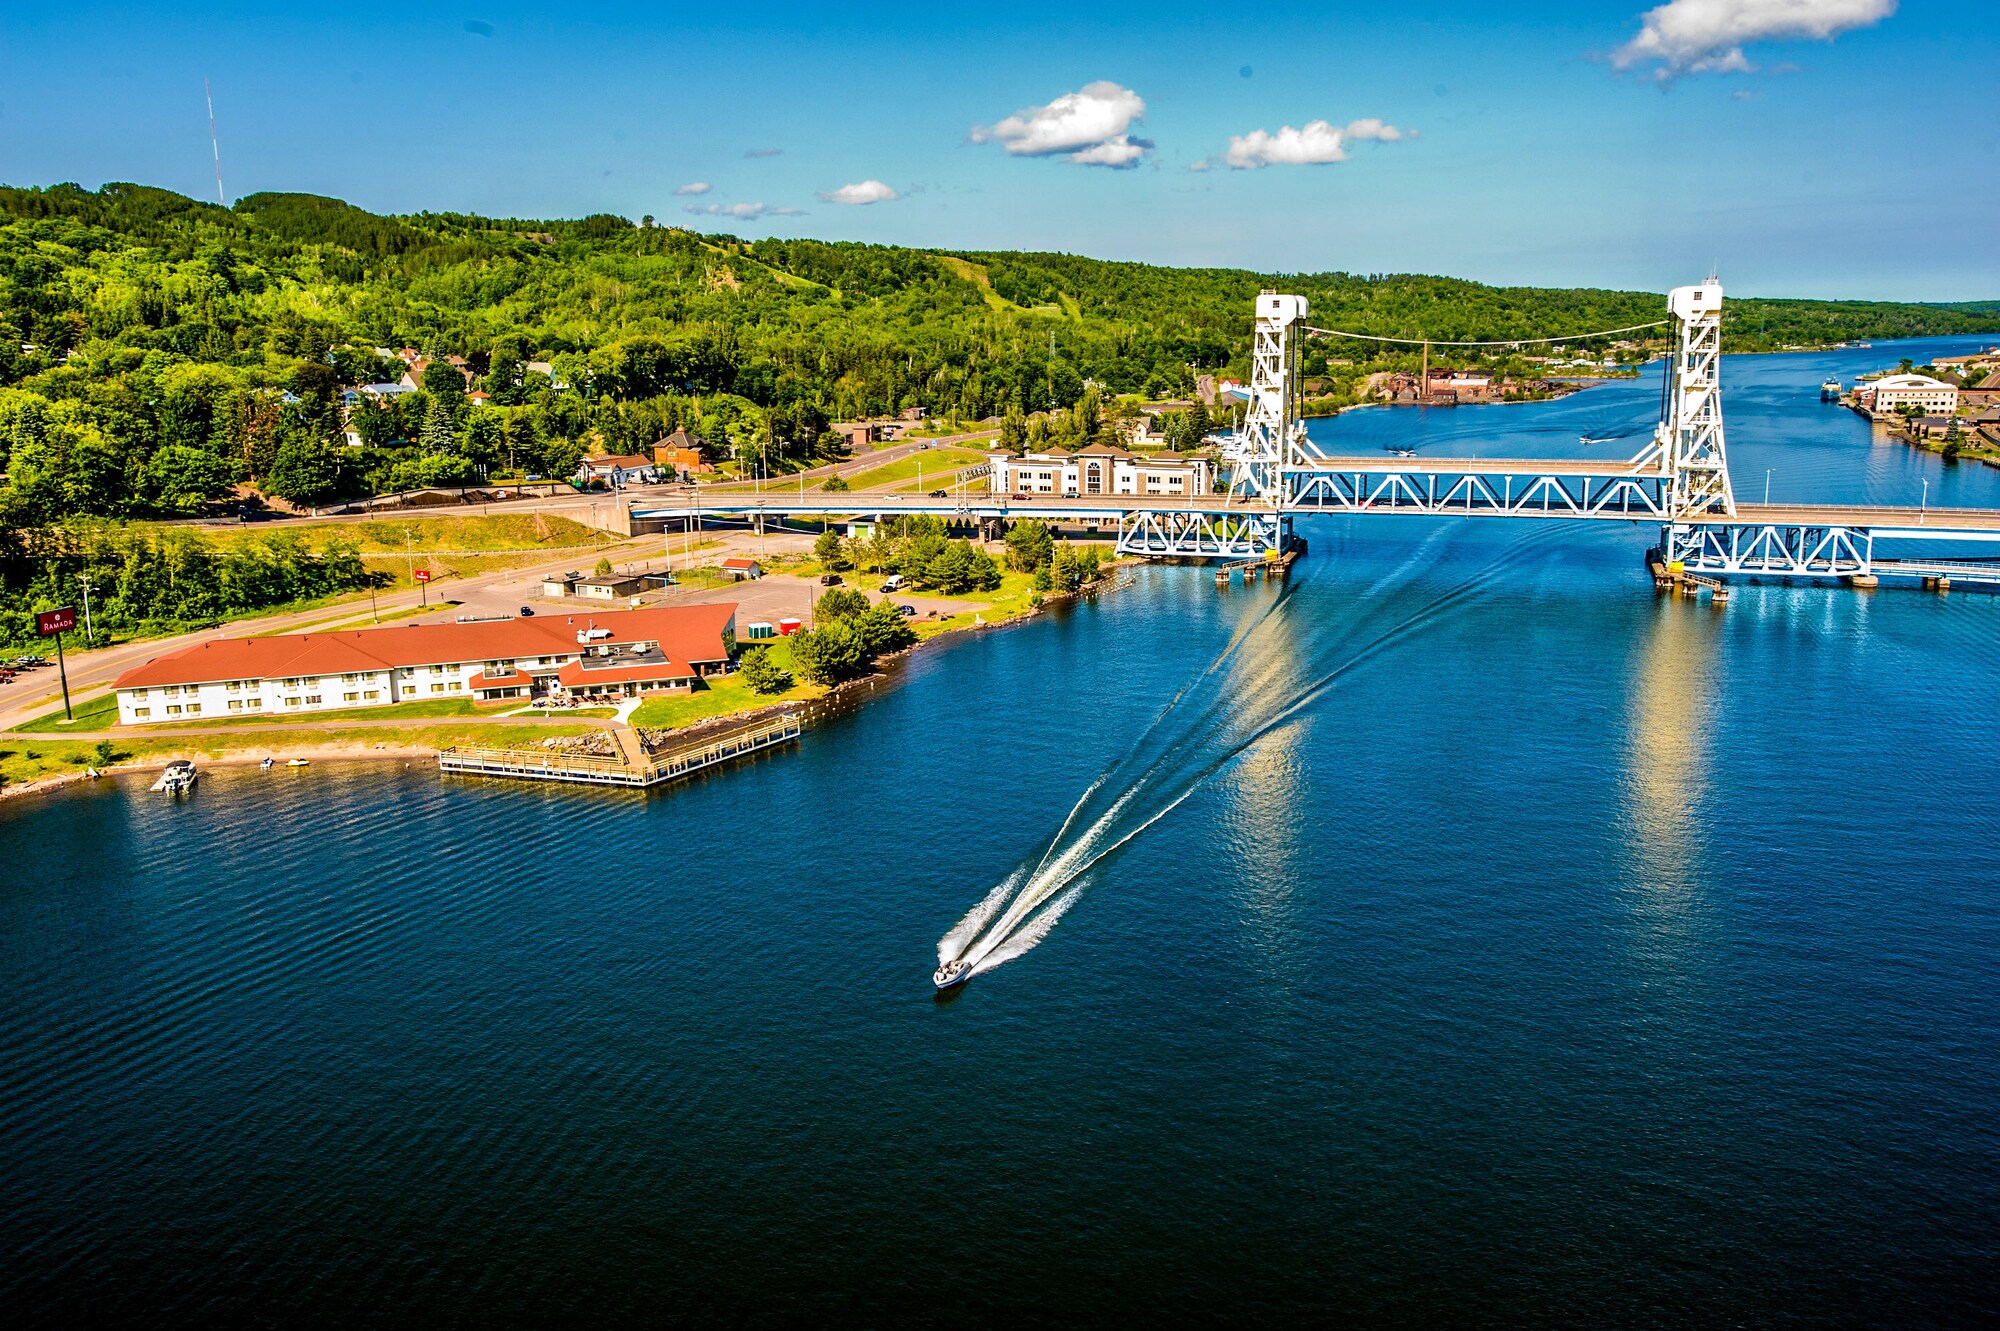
[685, 633]
[574, 676]
[626, 460]
[739, 563]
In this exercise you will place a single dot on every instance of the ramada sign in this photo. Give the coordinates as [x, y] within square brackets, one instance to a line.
[51, 622]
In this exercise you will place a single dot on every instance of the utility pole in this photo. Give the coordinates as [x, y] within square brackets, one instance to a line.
[89, 632]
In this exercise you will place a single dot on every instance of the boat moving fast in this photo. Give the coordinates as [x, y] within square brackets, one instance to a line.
[1597, 439]
[952, 974]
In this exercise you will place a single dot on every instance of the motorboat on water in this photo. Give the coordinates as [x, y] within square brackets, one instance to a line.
[1830, 391]
[952, 974]
[179, 776]
[1588, 439]
[1404, 452]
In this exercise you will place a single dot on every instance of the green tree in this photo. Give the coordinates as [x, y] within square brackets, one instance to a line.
[837, 484]
[1013, 430]
[306, 471]
[440, 434]
[443, 381]
[830, 653]
[1029, 545]
[839, 603]
[884, 628]
[831, 551]
[178, 479]
[762, 674]
[603, 569]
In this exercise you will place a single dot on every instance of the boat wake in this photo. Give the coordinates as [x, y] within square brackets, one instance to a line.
[1276, 666]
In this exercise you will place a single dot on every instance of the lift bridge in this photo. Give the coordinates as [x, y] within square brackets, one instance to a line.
[1679, 482]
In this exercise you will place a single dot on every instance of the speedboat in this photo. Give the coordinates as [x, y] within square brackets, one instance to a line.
[952, 974]
[1597, 439]
[1404, 452]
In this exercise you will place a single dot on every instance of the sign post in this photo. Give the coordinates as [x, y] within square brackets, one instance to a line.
[423, 577]
[53, 623]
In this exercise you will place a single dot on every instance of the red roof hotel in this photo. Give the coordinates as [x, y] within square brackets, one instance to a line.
[607, 654]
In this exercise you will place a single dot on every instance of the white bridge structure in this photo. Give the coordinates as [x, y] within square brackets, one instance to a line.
[1275, 475]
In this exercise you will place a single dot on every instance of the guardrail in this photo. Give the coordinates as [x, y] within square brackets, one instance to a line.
[596, 769]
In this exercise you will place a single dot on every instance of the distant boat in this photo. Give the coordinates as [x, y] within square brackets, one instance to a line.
[1404, 452]
[952, 974]
[1597, 439]
[298, 762]
[1830, 391]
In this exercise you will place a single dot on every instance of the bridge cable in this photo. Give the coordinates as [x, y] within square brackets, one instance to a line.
[1510, 342]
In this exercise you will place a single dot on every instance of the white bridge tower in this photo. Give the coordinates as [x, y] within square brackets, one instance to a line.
[1262, 447]
[1688, 444]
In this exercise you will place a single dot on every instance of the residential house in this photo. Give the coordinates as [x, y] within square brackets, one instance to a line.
[742, 570]
[606, 654]
[679, 451]
[616, 469]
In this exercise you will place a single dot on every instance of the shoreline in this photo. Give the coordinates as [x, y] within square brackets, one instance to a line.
[316, 750]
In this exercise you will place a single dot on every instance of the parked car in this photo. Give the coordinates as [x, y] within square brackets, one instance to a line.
[1021, 497]
[906, 609]
[937, 494]
[893, 582]
[527, 612]
[829, 579]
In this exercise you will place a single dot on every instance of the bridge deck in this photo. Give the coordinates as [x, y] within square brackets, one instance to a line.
[1434, 466]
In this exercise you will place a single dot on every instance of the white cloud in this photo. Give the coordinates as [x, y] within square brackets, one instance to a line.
[692, 187]
[742, 212]
[861, 192]
[1708, 36]
[1091, 127]
[1316, 144]
[763, 152]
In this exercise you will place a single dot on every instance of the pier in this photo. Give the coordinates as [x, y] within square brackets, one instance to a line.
[632, 766]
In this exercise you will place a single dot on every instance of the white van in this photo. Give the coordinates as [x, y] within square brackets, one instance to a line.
[893, 583]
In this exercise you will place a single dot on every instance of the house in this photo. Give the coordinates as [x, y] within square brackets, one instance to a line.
[915, 413]
[479, 397]
[743, 570]
[679, 451]
[414, 376]
[1101, 469]
[386, 390]
[555, 586]
[605, 654]
[1892, 392]
[608, 586]
[616, 469]
[862, 434]
[1459, 386]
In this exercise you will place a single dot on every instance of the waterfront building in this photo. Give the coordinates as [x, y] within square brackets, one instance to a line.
[605, 654]
[1101, 469]
[1887, 395]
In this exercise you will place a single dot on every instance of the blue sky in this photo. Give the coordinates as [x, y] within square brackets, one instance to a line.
[1807, 147]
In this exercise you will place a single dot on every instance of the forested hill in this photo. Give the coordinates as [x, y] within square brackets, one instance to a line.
[155, 350]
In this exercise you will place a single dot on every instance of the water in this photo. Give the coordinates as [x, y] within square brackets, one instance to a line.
[1568, 956]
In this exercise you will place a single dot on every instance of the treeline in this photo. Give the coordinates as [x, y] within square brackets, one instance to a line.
[158, 354]
[145, 580]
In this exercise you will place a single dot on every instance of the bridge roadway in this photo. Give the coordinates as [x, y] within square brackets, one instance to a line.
[1934, 523]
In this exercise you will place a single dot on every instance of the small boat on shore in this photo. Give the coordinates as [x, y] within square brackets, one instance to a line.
[179, 777]
[951, 975]
[298, 762]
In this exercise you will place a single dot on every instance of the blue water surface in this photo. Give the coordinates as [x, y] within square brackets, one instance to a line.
[1524, 949]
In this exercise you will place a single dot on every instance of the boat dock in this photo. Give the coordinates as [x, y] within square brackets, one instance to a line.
[632, 766]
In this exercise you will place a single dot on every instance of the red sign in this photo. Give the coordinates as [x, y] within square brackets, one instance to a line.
[423, 575]
[56, 621]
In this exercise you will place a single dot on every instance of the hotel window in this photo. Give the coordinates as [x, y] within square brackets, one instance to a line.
[312, 700]
[255, 704]
[234, 686]
[194, 709]
[291, 702]
[138, 694]
[373, 694]
[173, 709]
[437, 688]
[235, 704]
[350, 697]
[141, 713]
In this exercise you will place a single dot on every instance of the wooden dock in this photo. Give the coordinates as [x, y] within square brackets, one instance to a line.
[632, 766]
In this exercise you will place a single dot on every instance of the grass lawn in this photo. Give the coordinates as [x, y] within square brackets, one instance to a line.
[96, 713]
[29, 759]
[937, 463]
[473, 533]
[722, 695]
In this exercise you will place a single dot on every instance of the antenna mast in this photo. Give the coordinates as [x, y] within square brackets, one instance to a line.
[213, 145]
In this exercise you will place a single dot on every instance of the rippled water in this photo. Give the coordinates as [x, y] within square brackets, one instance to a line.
[1567, 957]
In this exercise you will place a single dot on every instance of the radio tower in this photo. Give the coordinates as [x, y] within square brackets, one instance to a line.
[213, 145]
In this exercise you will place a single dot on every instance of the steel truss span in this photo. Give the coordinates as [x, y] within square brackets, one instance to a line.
[1680, 481]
